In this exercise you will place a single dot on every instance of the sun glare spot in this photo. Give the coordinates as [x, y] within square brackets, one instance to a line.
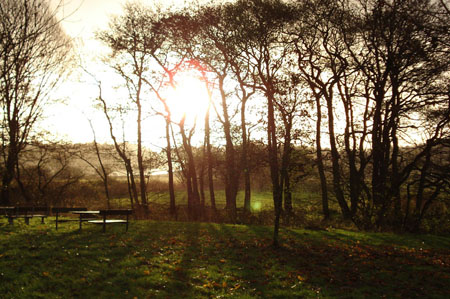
[256, 206]
[188, 99]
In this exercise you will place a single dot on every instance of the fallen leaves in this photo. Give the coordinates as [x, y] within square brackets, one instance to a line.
[216, 285]
[235, 261]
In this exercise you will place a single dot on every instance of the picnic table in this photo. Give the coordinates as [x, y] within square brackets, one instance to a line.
[60, 211]
[85, 215]
[105, 220]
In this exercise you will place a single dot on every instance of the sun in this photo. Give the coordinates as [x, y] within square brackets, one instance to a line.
[188, 99]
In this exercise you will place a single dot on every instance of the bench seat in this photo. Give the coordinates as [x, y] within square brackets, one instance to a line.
[105, 213]
[26, 213]
[107, 221]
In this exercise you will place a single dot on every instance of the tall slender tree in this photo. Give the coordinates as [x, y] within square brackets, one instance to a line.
[34, 55]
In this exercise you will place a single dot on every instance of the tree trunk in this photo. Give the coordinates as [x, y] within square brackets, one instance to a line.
[212, 196]
[421, 188]
[9, 171]
[130, 192]
[191, 176]
[6, 181]
[130, 173]
[320, 166]
[121, 152]
[104, 176]
[201, 181]
[273, 162]
[335, 161]
[351, 154]
[287, 195]
[245, 166]
[142, 184]
[231, 175]
[285, 161]
[173, 208]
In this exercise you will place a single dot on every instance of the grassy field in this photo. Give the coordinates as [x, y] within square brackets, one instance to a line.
[201, 260]
[260, 200]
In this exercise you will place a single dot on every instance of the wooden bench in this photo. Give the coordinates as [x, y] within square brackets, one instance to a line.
[4, 211]
[106, 213]
[27, 213]
[64, 210]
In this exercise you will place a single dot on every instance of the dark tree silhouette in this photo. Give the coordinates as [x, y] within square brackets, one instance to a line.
[34, 55]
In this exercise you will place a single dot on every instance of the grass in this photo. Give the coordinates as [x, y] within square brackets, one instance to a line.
[202, 260]
[260, 200]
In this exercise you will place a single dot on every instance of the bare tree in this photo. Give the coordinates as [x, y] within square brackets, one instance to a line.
[34, 54]
[102, 170]
[129, 59]
[121, 151]
[45, 172]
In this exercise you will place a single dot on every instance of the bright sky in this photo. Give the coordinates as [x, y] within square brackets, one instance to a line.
[82, 18]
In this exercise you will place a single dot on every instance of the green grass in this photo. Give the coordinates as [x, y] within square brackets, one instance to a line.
[260, 200]
[202, 260]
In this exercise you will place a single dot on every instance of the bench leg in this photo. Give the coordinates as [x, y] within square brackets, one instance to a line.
[56, 221]
[27, 220]
[42, 220]
[11, 220]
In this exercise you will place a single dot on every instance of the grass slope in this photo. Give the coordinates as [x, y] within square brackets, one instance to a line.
[201, 260]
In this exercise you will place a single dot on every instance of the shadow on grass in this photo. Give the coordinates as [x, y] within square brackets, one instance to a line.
[237, 256]
[180, 276]
[198, 260]
[342, 266]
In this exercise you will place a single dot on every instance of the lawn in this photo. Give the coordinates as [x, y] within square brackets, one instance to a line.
[202, 260]
[261, 200]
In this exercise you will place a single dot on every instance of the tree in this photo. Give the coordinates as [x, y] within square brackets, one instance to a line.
[401, 64]
[261, 34]
[289, 106]
[190, 171]
[121, 151]
[34, 55]
[318, 48]
[379, 63]
[208, 42]
[45, 172]
[102, 170]
[208, 153]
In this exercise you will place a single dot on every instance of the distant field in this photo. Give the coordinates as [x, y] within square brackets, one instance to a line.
[201, 260]
[259, 200]
[307, 208]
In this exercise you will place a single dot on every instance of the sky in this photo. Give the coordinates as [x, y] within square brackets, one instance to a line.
[69, 120]
[83, 17]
